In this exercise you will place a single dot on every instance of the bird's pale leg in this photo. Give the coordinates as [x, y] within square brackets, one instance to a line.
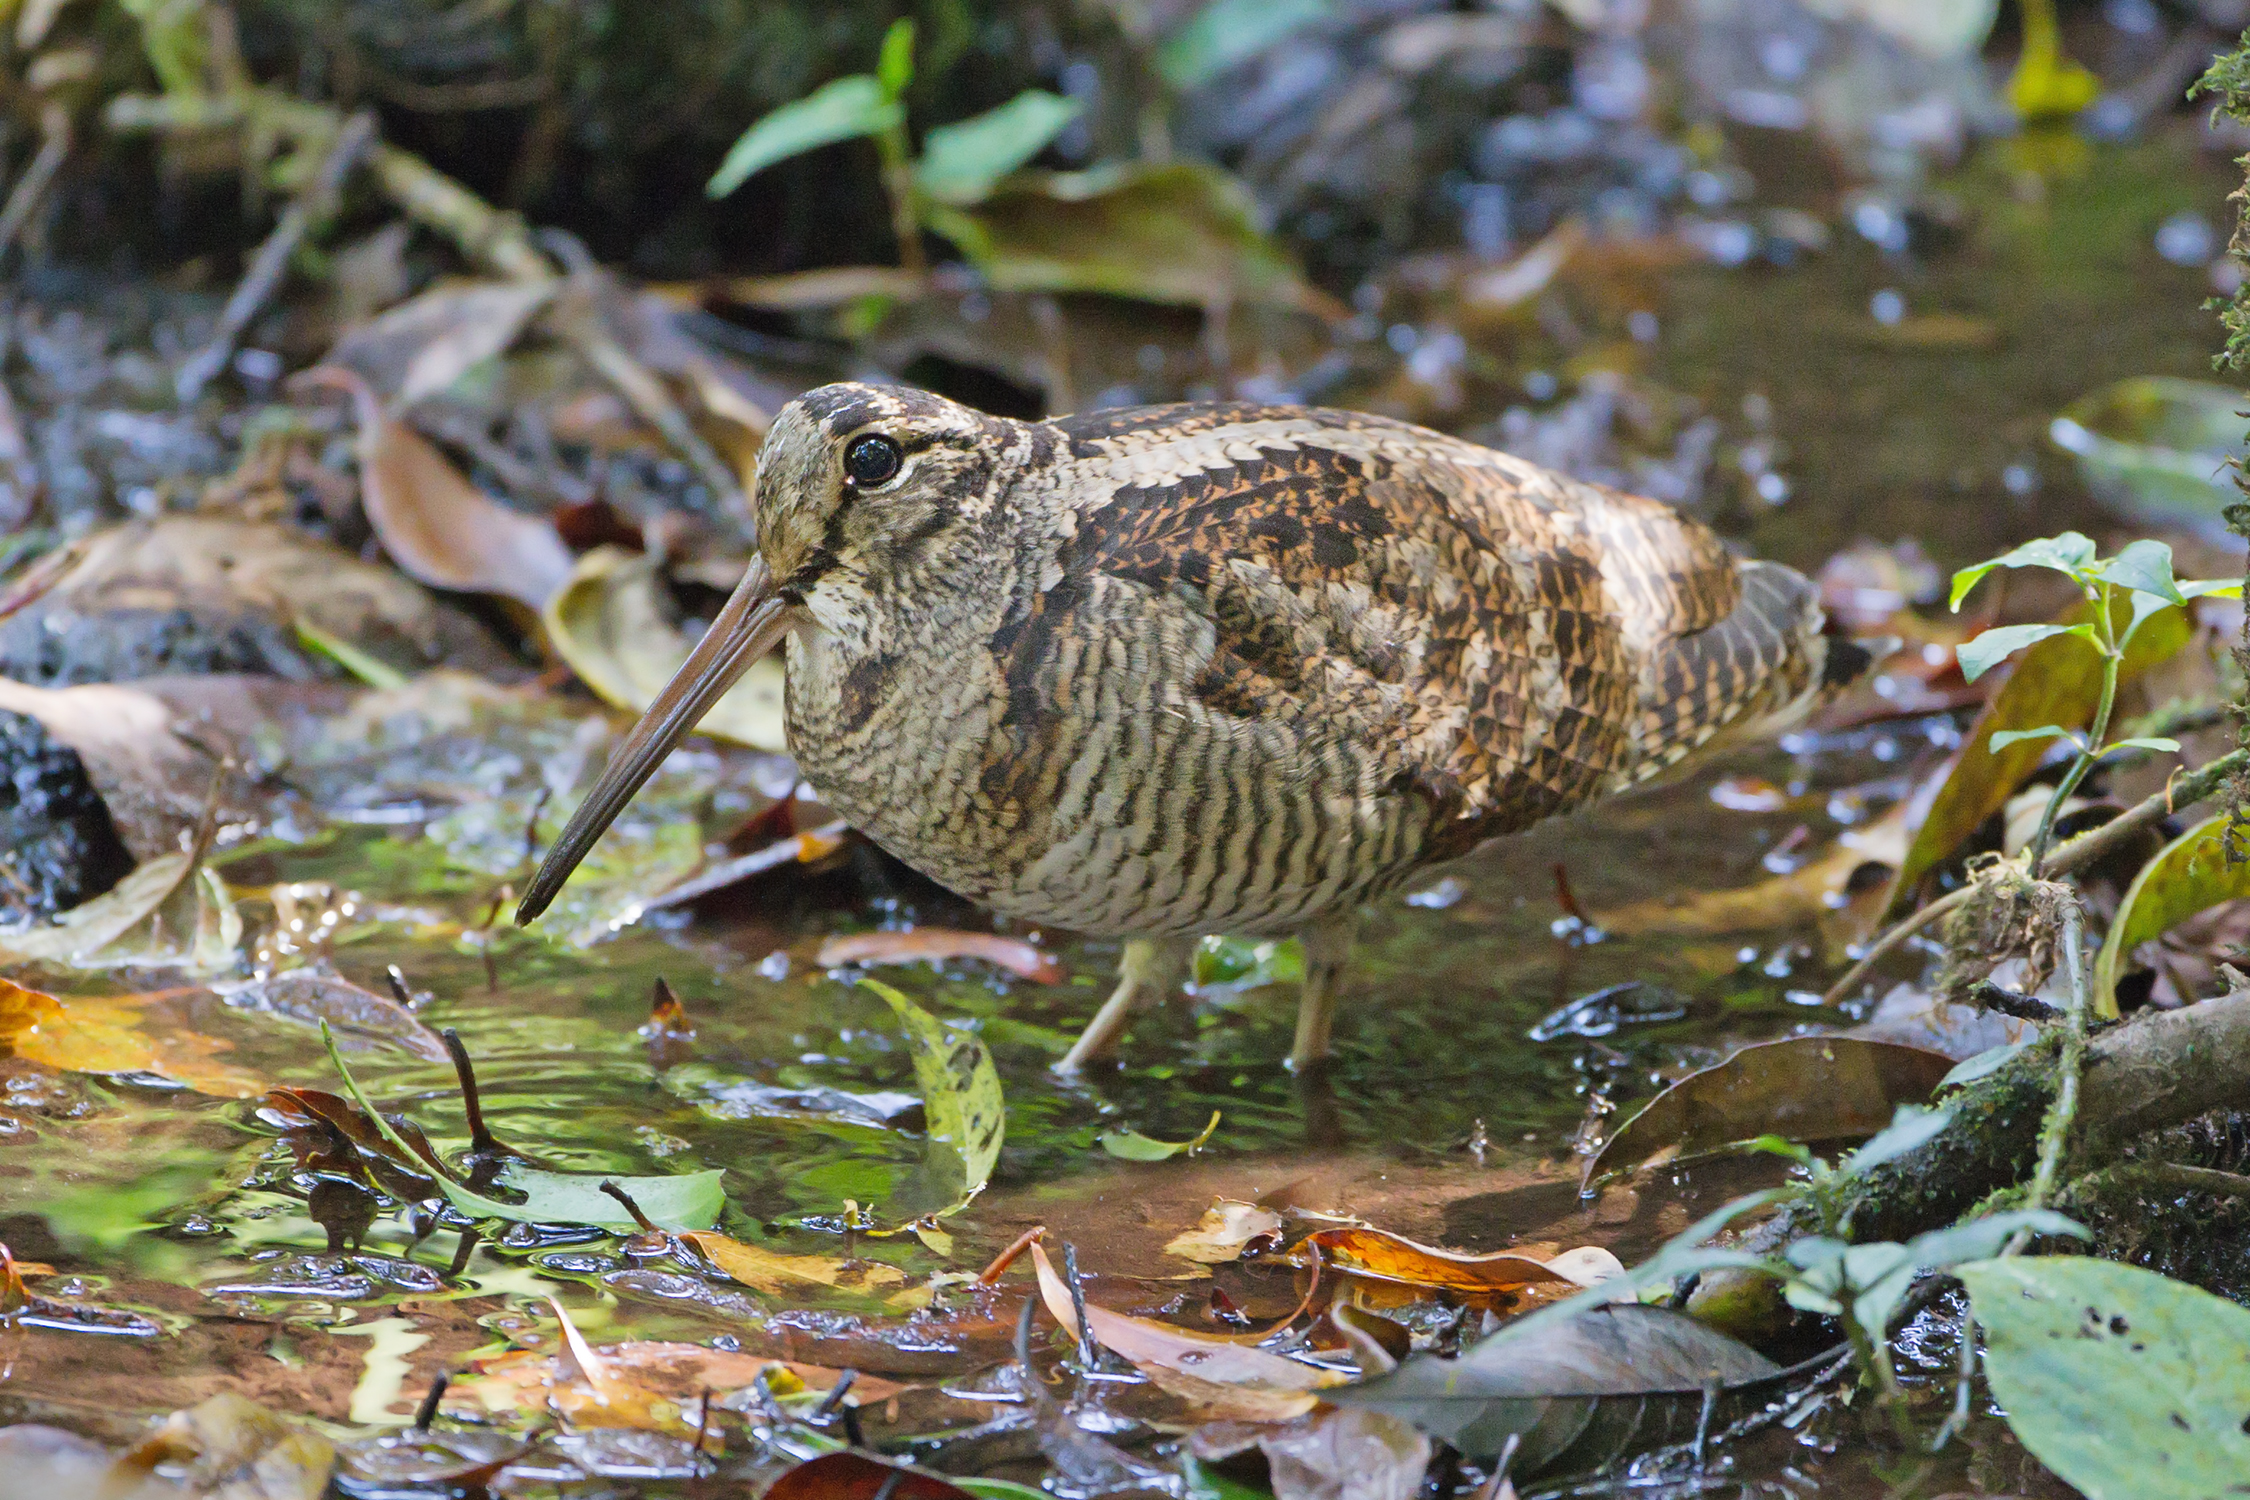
[1326, 948]
[1147, 971]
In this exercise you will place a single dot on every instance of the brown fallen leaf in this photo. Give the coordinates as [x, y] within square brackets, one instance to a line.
[1228, 1230]
[774, 1274]
[932, 944]
[861, 1476]
[426, 343]
[438, 527]
[1803, 1088]
[109, 1034]
[1225, 1381]
[232, 1446]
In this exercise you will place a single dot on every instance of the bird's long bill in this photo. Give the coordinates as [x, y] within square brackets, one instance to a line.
[746, 629]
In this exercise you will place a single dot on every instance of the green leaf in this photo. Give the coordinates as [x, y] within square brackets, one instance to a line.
[1911, 1129]
[961, 163]
[1982, 653]
[1984, 1064]
[2158, 743]
[690, 1201]
[2125, 1383]
[843, 110]
[2189, 875]
[2003, 738]
[1129, 1145]
[961, 1099]
[894, 65]
[1227, 32]
[2158, 451]
[2212, 588]
[2069, 553]
[1873, 1278]
[2145, 567]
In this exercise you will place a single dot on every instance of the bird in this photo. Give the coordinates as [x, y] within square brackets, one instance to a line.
[1159, 672]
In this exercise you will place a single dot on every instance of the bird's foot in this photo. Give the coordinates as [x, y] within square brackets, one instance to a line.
[1147, 971]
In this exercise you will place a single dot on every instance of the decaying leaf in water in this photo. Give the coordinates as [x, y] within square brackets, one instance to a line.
[1598, 1385]
[1179, 232]
[1328, 1454]
[1131, 1145]
[438, 527]
[962, 1102]
[639, 1383]
[2057, 681]
[776, 1274]
[1382, 1256]
[231, 1446]
[359, 1017]
[862, 1476]
[1228, 1230]
[608, 622]
[111, 1034]
[2190, 875]
[687, 1201]
[426, 343]
[169, 912]
[1228, 1381]
[934, 944]
[1802, 1088]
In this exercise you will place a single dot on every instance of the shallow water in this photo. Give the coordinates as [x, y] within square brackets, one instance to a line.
[1441, 1117]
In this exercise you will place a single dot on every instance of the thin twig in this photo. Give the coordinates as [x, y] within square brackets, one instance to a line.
[2171, 1177]
[2054, 1133]
[1890, 940]
[2076, 854]
[31, 188]
[272, 259]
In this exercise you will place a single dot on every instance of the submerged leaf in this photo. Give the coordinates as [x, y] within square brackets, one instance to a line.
[1804, 1088]
[639, 1383]
[2191, 874]
[358, 1015]
[961, 1099]
[1383, 1256]
[776, 1274]
[110, 1034]
[1231, 1381]
[607, 620]
[932, 944]
[81, 937]
[2124, 1382]
[1599, 1385]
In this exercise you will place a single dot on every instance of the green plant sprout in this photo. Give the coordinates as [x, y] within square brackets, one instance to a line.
[959, 166]
[2140, 577]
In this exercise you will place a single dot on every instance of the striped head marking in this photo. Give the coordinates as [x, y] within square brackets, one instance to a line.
[860, 485]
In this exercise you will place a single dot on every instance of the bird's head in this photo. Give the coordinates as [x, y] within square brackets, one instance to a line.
[859, 486]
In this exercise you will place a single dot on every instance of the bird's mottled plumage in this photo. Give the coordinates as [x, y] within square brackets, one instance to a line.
[1228, 667]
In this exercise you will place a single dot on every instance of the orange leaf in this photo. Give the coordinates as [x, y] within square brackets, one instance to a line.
[641, 1383]
[774, 1273]
[1384, 1256]
[104, 1034]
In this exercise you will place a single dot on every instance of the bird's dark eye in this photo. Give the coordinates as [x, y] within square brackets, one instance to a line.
[872, 460]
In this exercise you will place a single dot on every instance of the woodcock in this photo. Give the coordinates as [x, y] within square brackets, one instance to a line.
[1166, 671]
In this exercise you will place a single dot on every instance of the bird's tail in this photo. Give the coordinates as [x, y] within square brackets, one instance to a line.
[1757, 673]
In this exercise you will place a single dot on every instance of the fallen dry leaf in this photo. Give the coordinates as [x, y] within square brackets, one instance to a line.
[608, 621]
[438, 527]
[108, 1034]
[931, 944]
[1225, 1381]
[1228, 1230]
[773, 1273]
